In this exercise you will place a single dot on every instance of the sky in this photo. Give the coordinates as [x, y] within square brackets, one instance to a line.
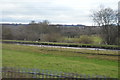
[55, 11]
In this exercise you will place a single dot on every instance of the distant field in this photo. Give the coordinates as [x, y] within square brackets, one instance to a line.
[66, 60]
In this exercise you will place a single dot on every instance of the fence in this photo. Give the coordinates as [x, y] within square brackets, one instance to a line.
[12, 72]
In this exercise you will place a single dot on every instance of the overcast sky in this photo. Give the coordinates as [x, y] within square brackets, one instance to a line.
[55, 11]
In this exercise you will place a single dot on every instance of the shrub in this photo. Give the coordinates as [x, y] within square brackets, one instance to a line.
[52, 37]
[85, 39]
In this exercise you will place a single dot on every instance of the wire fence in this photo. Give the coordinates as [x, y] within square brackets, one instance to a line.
[12, 72]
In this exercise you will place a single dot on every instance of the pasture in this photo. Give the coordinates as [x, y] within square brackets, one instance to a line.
[66, 60]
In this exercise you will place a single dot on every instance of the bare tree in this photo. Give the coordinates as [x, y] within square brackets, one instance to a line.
[6, 33]
[106, 19]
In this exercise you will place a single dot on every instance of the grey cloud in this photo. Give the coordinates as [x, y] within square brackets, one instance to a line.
[25, 10]
[37, 9]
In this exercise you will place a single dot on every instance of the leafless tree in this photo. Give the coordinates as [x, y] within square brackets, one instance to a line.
[6, 33]
[106, 19]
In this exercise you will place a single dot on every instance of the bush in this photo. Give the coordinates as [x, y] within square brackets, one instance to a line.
[85, 39]
[71, 40]
[52, 37]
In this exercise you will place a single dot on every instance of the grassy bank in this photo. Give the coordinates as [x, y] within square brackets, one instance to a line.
[65, 60]
[65, 44]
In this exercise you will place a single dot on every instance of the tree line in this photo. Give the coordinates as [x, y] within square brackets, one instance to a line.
[44, 31]
[106, 28]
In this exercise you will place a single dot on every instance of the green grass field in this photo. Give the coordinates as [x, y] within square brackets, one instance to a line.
[65, 60]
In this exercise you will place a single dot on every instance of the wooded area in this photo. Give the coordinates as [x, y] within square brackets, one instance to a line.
[105, 32]
[53, 33]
